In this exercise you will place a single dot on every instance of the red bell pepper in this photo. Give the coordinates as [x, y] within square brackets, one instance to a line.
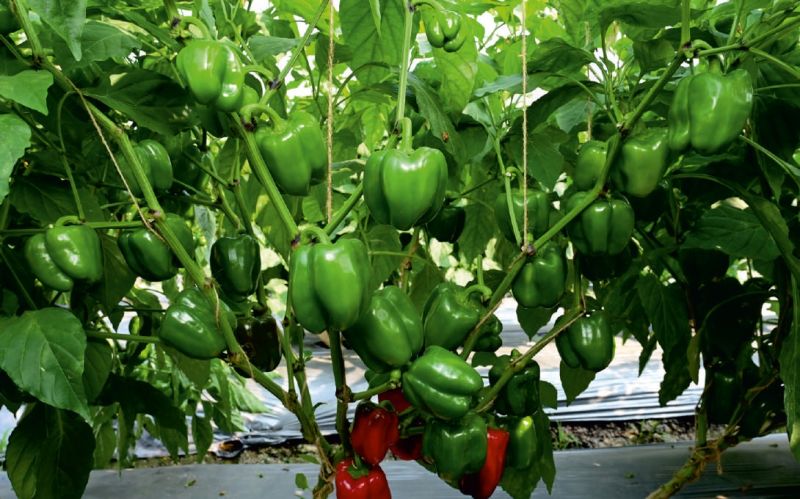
[408, 449]
[354, 483]
[395, 396]
[374, 431]
[481, 485]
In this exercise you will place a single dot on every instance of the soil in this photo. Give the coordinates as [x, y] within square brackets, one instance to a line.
[565, 436]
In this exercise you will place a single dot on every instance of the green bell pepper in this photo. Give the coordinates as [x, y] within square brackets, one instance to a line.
[149, 256]
[489, 339]
[155, 162]
[603, 228]
[76, 252]
[444, 30]
[520, 396]
[523, 445]
[723, 395]
[543, 279]
[456, 448]
[605, 267]
[214, 73]
[405, 188]
[190, 325]
[389, 334]
[539, 211]
[709, 110]
[588, 343]
[294, 151]
[448, 225]
[43, 266]
[589, 165]
[441, 383]
[187, 159]
[449, 315]
[329, 284]
[260, 340]
[236, 265]
[641, 163]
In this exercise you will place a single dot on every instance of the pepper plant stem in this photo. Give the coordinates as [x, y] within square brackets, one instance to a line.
[342, 391]
[346, 208]
[123, 337]
[408, 27]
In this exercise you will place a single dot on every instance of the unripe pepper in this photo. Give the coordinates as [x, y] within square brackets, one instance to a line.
[489, 339]
[64, 254]
[448, 225]
[214, 74]
[444, 29]
[360, 483]
[589, 165]
[190, 325]
[449, 315]
[405, 188]
[236, 265]
[149, 256]
[520, 396]
[523, 446]
[375, 429]
[389, 334]
[329, 284]
[155, 162]
[724, 393]
[641, 163]
[603, 228]
[543, 279]
[294, 151]
[539, 210]
[43, 266]
[588, 343]
[259, 338]
[481, 485]
[456, 448]
[441, 383]
[709, 110]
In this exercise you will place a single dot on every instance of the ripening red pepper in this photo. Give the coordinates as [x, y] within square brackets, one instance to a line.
[481, 485]
[355, 483]
[374, 430]
[395, 396]
[408, 449]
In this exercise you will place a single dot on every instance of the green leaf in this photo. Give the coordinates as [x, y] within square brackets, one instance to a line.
[301, 481]
[574, 381]
[197, 370]
[430, 106]
[533, 319]
[66, 18]
[734, 231]
[641, 13]
[43, 352]
[100, 42]
[28, 88]
[203, 436]
[16, 138]
[558, 56]
[264, 47]
[790, 374]
[375, 7]
[50, 454]
[368, 43]
[117, 277]
[548, 395]
[479, 228]
[97, 366]
[46, 199]
[458, 71]
[424, 277]
[383, 238]
[545, 162]
[547, 465]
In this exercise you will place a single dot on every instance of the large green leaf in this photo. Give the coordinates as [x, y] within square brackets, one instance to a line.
[43, 352]
[50, 454]
[430, 106]
[16, 138]
[457, 70]
[46, 199]
[28, 88]
[367, 42]
[735, 231]
[66, 18]
[99, 42]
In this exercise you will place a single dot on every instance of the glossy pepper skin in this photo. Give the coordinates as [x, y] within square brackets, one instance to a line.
[456, 448]
[405, 188]
[236, 265]
[43, 266]
[156, 164]
[443, 29]
[641, 163]
[441, 383]
[259, 339]
[543, 279]
[150, 257]
[352, 483]
[409, 448]
[214, 74]
[481, 485]
[489, 339]
[523, 444]
[294, 151]
[374, 430]
[389, 334]
[724, 394]
[589, 165]
[588, 343]
[710, 109]
[520, 396]
[448, 225]
[190, 325]
[603, 228]
[604, 267]
[329, 284]
[76, 252]
[449, 315]
[539, 210]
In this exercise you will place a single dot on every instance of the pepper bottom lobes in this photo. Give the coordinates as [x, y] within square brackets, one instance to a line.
[481, 485]
[588, 343]
[374, 431]
[353, 483]
[456, 448]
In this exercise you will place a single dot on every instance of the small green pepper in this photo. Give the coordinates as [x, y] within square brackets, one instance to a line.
[190, 325]
[76, 251]
[444, 29]
[520, 396]
[214, 73]
[523, 445]
[449, 315]
[149, 256]
[641, 163]
[588, 343]
[456, 448]
[603, 228]
[539, 211]
[543, 279]
[236, 265]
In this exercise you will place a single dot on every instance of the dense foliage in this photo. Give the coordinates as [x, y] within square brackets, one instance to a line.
[175, 174]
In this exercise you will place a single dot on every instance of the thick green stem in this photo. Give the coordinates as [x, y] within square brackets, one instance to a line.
[507, 184]
[367, 394]
[408, 26]
[686, 16]
[346, 208]
[788, 68]
[342, 391]
[651, 94]
[123, 337]
[93, 225]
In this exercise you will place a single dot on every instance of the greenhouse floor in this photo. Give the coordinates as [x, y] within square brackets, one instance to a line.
[761, 468]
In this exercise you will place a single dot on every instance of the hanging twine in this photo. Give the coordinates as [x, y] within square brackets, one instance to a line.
[331, 48]
[525, 241]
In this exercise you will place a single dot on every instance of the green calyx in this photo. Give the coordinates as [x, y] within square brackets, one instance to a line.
[190, 325]
[214, 74]
[709, 110]
[441, 383]
[294, 151]
[236, 265]
[148, 256]
[389, 334]
[405, 188]
[329, 284]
